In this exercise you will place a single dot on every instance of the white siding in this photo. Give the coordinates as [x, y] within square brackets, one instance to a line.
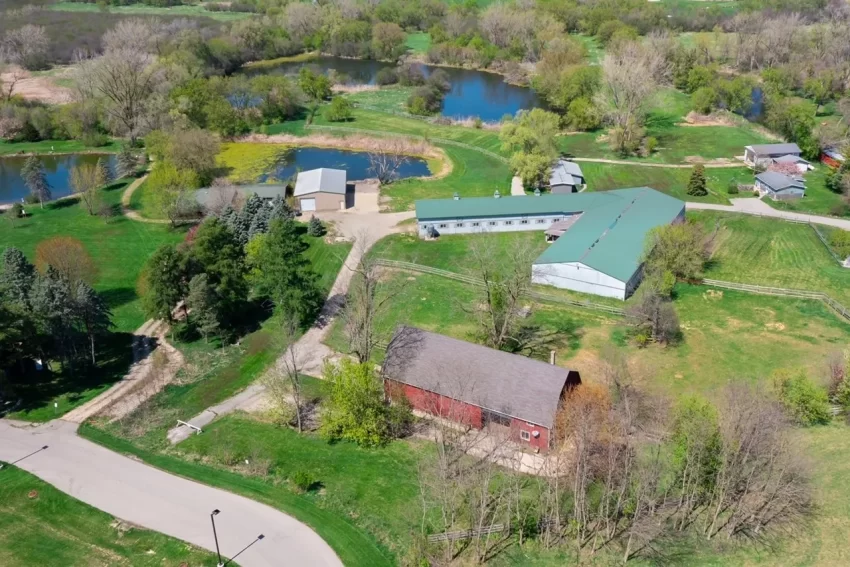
[494, 224]
[578, 277]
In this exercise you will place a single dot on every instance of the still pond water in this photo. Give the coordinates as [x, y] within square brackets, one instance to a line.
[13, 188]
[474, 93]
[356, 164]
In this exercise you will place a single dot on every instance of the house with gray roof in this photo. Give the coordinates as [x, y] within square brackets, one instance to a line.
[597, 237]
[566, 177]
[217, 197]
[762, 155]
[321, 189]
[801, 164]
[477, 386]
[780, 187]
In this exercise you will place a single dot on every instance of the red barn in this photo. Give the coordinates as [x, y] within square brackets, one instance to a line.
[477, 386]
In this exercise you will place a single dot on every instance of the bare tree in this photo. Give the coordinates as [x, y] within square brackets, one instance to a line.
[384, 164]
[27, 47]
[283, 382]
[11, 76]
[222, 194]
[86, 179]
[134, 34]
[654, 314]
[302, 20]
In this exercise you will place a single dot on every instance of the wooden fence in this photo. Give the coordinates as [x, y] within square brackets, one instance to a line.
[476, 282]
[467, 534]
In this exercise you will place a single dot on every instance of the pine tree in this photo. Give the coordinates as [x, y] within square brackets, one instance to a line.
[227, 216]
[204, 305]
[222, 257]
[696, 184]
[17, 275]
[166, 274]
[260, 224]
[35, 178]
[104, 174]
[128, 162]
[52, 307]
[315, 227]
[92, 313]
[281, 210]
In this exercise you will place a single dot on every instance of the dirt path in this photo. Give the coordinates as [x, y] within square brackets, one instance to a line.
[708, 165]
[758, 208]
[127, 197]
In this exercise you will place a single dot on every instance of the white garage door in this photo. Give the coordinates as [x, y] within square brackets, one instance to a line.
[308, 204]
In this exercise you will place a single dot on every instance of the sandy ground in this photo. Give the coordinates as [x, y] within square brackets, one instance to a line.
[41, 88]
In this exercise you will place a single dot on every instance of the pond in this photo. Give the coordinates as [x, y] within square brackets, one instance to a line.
[58, 167]
[473, 93]
[356, 164]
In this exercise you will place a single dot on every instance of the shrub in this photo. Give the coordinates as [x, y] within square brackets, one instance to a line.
[386, 76]
[732, 188]
[315, 227]
[704, 99]
[840, 210]
[696, 183]
[807, 402]
[650, 143]
[339, 110]
[840, 242]
[477, 123]
[17, 211]
[303, 481]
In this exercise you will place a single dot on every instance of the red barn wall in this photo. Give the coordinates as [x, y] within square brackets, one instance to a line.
[436, 404]
[541, 442]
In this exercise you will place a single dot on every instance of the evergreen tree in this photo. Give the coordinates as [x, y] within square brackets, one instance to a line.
[92, 313]
[104, 174]
[17, 275]
[260, 224]
[696, 184]
[35, 178]
[204, 305]
[128, 162]
[222, 257]
[241, 225]
[227, 216]
[287, 277]
[166, 274]
[315, 227]
[280, 210]
[52, 307]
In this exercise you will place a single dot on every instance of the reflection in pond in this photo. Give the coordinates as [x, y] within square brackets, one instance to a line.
[356, 164]
[473, 93]
[58, 167]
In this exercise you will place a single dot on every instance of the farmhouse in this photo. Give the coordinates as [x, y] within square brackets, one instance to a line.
[566, 177]
[477, 386]
[597, 238]
[321, 189]
[763, 155]
[780, 187]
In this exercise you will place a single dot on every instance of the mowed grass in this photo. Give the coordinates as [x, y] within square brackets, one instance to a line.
[818, 200]
[39, 525]
[54, 146]
[195, 10]
[390, 99]
[673, 181]
[418, 42]
[119, 247]
[772, 252]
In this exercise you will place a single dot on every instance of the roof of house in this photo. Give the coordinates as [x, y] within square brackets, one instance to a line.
[608, 237]
[779, 181]
[564, 172]
[322, 180]
[506, 383]
[263, 190]
[790, 159]
[775, 149]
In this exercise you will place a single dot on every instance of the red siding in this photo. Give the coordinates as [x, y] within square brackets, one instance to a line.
[540, 442]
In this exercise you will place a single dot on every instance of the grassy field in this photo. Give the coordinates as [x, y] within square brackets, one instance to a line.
[419, 42]
[772, 252]
[818, 200]
[387, 99]
[57, 146]
[39, 525]
[195, 10]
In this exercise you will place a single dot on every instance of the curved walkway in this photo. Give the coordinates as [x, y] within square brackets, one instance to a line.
[756, 207]
[707, 165]
[127, 197]
[151, 498]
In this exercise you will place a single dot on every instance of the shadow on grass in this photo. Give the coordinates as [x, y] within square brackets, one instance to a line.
[36, 389]
[61, 204]
[116, 297]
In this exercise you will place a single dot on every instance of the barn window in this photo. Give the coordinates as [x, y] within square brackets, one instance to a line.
[459, 225]
[492, 223]
[525, 435]
[523, 221]
[444, 226]
[494, 418]
[476, 224]
[541, 221]
[509, 222]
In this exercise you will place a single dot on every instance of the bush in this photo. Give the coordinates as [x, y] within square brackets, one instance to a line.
[704, 100]
[386, 76]
[340, 110]
[732, 188]
[31, 199]
[807, 403]
[477, 123]
[303, 481]
[840, 242]
[650, 143]
[17, 211]
[315, 227]
[840, 210]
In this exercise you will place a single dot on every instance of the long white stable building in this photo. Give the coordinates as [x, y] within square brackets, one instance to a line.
[598, 238]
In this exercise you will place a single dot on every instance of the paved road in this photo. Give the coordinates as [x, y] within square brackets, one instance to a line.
[142, 495]
[756, 207]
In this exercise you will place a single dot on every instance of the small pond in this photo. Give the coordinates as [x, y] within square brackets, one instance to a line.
[473, 93]
[356, 164]
[58, 167]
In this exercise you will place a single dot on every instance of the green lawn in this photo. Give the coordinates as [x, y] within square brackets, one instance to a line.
[419, 42]
[196, 10]
[386, 99]
[354, 546]
[58, 146]
[39, 525]
[775, 253]
[818, 200]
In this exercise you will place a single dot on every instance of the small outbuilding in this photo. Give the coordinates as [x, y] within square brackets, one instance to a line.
[566, 177]
[762, 155]
[780, 187]
[510, 395]
[832, 157]
[321, 189]
[801, 164]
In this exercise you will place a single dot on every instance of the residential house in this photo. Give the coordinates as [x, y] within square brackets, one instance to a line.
[597, 238]
[780, 187]
[508, 394]
[321, 189]
[802, 165]
[763, 155]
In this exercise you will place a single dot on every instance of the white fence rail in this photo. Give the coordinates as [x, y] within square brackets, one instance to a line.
[783, 292]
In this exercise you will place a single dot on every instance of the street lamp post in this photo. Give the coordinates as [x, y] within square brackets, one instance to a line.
[215, 536]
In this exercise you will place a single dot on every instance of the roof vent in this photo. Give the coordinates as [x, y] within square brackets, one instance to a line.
[496, 195]
[456, 197]
[537, 192]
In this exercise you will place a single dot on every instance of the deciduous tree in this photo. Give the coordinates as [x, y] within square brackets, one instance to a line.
[68, 257]
[35, 178]
[86, 179]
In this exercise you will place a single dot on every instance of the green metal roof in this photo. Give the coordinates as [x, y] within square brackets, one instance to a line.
[608, 237]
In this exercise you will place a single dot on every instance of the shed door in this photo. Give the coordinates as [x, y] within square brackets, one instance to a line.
[308, 204]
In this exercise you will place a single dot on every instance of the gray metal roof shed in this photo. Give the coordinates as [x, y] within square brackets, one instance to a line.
[565, 172]
[779, 181]
[322, 180]
[498, 381]
[771, 150]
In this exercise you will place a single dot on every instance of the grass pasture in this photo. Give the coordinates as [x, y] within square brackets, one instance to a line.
[419, 42]
[39, 525]
[390, 99]
[185, 11]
